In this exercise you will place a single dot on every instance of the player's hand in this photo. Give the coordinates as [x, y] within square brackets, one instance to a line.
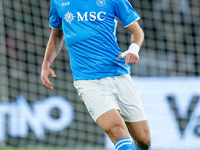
[45, 73]
[130, 58]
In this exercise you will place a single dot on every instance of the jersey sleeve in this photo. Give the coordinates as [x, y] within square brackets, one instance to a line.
[55, 21]
[125, 12]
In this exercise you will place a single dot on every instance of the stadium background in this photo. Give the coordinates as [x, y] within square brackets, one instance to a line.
[171, 49]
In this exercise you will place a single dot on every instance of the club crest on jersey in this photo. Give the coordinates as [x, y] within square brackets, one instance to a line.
[101, 2]
[87, 16]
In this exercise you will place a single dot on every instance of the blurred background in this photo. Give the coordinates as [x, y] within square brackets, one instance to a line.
[167, 79]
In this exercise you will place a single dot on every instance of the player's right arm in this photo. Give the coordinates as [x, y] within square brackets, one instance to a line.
[53, 48]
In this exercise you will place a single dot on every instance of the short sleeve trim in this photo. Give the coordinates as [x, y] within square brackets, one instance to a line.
[132, 22]
[55, 28]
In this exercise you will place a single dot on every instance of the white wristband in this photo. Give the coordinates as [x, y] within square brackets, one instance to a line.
[133, 48]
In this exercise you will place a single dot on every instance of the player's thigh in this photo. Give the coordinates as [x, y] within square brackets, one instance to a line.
[139, 131]
[110, 119]
[113, 124]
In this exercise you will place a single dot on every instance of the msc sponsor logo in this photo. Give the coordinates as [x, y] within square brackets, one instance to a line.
[69, 17]
[87, 16]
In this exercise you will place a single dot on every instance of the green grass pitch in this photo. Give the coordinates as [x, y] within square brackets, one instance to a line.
[34, 149]
[44, 149]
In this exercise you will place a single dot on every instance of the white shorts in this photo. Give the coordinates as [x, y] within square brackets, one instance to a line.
[118, 92]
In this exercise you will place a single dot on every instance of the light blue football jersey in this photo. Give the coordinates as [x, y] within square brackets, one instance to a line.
[89, 29]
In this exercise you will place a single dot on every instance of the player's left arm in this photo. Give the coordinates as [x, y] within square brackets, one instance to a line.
[137, 39]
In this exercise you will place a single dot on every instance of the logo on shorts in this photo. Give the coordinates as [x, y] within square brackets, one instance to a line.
[101, 2]
[91, 111]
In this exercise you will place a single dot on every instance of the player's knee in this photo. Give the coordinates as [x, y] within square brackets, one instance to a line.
[144, 141]
[116, 132]
[114, 129]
